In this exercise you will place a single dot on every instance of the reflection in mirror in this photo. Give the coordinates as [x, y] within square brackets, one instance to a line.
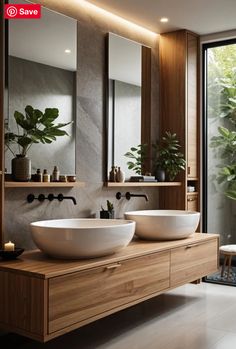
[126, 116]
[42, 66]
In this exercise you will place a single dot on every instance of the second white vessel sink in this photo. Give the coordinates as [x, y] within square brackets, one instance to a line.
[164, 224]
[82, 237]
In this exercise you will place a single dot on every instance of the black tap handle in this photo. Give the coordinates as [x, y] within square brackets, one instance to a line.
[118, 195]
[41, 197]
[60, 197]
[128, 195]
[51, 197]
[30, 198]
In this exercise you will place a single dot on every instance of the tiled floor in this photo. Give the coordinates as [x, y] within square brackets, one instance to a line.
[190, 317]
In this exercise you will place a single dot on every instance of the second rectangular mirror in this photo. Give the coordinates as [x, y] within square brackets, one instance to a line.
[129, 100]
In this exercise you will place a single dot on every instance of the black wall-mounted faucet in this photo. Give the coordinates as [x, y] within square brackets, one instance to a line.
[128, 196]
[50, 197]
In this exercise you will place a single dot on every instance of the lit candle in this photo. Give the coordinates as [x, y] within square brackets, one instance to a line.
[9, 246]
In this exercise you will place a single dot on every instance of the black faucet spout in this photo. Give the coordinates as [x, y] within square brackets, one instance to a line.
[128, 196]
[61, 197]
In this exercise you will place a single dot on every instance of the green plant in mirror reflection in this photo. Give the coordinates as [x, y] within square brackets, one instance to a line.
[34, 127]
[138, 155]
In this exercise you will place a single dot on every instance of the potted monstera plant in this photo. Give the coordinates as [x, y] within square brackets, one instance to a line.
[33, 127]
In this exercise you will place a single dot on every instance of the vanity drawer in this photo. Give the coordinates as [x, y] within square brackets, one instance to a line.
[193, 261]
[82, 295]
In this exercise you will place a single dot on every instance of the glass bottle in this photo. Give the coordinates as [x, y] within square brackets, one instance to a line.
[38, 177]
[46, 176]
[55, 174]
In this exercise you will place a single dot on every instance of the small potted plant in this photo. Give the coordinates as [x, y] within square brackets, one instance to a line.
[167, 157]
[33, 127]
[109, 212]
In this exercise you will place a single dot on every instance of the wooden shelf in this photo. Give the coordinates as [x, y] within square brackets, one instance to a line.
[142, 184]
[43, 184]
[189, 193]
[192, 179]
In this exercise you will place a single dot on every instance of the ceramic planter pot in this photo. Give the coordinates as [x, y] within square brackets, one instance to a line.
[21, 168]
[107, 214]
[161, 175]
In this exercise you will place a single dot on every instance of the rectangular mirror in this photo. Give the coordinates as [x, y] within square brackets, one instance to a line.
[129, 100]
[42, 64]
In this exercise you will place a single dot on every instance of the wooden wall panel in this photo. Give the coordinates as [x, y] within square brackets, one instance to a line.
[173, 105]
[179, 111]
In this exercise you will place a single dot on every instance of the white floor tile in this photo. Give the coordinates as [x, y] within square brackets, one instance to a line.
[227, 342]
[189, 317]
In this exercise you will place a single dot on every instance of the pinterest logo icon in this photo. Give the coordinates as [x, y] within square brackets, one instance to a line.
[22, 11]
[11, 11]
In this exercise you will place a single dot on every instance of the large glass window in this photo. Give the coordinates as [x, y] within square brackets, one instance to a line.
[220, 147]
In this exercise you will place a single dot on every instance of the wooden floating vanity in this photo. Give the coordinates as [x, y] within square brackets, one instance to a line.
[43, 298]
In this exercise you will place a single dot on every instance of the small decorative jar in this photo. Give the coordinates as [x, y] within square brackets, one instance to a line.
[120, 176]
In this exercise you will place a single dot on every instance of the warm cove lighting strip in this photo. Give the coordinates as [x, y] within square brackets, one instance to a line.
[119, 20]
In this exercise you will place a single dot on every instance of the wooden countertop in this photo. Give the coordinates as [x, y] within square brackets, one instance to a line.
[37, 264]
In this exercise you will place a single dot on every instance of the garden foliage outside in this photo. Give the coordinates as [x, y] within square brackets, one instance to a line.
[222, 105]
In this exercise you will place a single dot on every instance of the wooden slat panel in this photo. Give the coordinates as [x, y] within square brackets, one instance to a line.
[193, 261]
[79, 296]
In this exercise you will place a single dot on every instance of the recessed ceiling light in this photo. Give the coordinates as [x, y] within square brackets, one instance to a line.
[67, 51]
[164, 20]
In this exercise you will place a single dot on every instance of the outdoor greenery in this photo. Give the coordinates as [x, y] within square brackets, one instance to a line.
[167, 155]
[34, 127]
[222, 82]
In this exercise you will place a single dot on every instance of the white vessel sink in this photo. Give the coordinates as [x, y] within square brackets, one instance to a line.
[82, 237]
[164, 224]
